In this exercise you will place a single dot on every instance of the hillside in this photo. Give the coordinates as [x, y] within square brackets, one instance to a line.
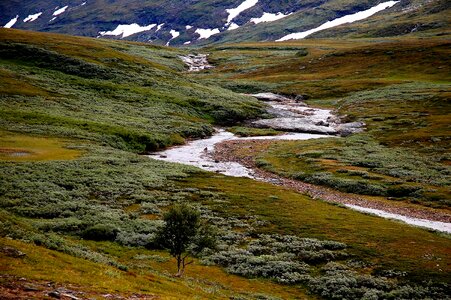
[185, 23]
[80, 206]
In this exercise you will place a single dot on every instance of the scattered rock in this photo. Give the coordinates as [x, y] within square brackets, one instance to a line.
[70, 296]
[11, 252]
[54, 294]
[270, 97]
[31, 288]
[292, 115]
[295, 124]
[350, 128]
[322, 123]
[300, 98]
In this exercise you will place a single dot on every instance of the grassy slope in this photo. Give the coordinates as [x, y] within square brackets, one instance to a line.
[383, 242]
[149, 276]
[53, 203]
[118, 94]
[69, 127]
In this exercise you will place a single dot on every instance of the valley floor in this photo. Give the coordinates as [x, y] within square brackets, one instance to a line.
[80, 205]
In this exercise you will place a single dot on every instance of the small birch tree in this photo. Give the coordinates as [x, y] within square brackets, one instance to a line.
[184, 235]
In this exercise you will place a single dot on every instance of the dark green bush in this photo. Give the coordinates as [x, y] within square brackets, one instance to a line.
[100, 232]
[302, 52]
[403, 191]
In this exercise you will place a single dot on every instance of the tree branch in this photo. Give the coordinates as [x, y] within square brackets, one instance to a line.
[190, 262]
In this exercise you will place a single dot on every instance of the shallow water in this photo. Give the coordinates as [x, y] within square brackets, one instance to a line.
[436, 225]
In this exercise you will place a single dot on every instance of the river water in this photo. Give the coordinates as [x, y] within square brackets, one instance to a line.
[198, 153]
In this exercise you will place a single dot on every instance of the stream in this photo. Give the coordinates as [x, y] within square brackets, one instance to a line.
[198, 153]
[290, 115]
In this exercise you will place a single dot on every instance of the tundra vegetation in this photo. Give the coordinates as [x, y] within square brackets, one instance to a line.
[77, 198]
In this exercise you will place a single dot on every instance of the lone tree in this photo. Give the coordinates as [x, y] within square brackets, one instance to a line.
[183, 235]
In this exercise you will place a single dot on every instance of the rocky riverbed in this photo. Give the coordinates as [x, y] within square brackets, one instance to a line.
[196, 62]
[291, 114]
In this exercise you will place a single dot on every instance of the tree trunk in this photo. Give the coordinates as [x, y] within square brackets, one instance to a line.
[179, 266]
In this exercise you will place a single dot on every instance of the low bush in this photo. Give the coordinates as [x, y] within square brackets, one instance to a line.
[100, 232]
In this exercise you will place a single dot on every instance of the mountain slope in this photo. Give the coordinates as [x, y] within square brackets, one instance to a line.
[202, 22]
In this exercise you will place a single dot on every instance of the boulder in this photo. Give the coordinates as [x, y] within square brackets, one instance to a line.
[350, 128]
[296, 125]
[270, 97]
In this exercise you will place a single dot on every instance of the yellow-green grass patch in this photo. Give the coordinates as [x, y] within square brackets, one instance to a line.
[21, 147]
[150, 272]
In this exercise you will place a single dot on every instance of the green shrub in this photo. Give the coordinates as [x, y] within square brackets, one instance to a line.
[100, 232]
[302, 52]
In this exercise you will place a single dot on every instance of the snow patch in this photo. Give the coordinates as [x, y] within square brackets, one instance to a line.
[174, 34]
[206, 33]
[339, 21]
[268, 17]
[159, 27]
[60, 11]
[188, 27]
[234, 12]
[32, 18]
[83, 4]
[52, 19]
[233, 26]
[127, 30]
[11, 22]
[187, 43]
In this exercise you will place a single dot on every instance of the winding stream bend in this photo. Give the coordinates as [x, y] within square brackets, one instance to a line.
[199, 153]
[292, 115]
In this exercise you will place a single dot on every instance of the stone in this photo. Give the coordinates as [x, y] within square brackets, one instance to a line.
[12, 252]
[270, 97]
[54, 294]
[350, 128]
